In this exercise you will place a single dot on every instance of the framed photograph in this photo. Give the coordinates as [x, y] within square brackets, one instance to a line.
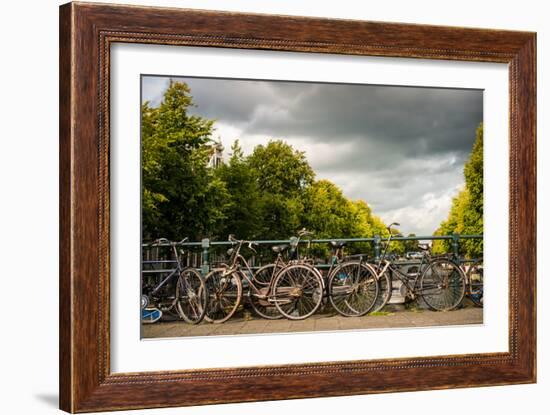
[258, 207]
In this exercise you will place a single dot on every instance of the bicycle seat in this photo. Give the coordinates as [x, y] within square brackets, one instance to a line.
[279, 248]
[337, 244]
[423, 247]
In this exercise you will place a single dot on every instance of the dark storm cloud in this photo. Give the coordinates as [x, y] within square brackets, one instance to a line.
[420, 119]
[423, 119]
[395, 147]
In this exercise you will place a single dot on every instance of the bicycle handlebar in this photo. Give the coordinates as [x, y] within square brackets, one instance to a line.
[167, 242]
[304, 232]
[392, 224]
[159, 241]
[236, 241]
[250, 246]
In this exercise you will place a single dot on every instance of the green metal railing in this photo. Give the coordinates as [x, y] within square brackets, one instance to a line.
[377, 241]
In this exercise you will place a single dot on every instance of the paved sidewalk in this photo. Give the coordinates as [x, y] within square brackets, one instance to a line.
[245, 323]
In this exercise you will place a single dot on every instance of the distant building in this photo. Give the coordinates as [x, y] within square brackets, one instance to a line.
[216, 155]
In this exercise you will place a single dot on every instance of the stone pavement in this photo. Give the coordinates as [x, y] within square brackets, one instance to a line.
[246, 323]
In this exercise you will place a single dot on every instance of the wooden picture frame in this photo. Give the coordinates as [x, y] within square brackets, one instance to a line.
[86, 33]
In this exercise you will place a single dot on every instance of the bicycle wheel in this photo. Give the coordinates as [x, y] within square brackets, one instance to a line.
[261, 304]
[224, 295]
[353, 289]
[191, 296]
[259, 300]
[263, 276]
[384, 292]
[475, 279]
[442, 285]
[298, 291]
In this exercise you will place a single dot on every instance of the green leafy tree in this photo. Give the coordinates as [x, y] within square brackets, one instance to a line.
[281, 169]
[244, 205]
[283, 175]
[466, 214]
[365, 225]
[181, 196]
[327, 212]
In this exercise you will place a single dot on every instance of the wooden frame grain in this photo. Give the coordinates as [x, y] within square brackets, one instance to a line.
[86, 33]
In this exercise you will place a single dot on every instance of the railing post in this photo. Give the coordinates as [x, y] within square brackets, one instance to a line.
[377, 240]
[456, 238]
[205, 267]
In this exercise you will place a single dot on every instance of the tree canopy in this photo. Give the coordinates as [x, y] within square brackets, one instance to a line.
[466, 214]
[176, 181]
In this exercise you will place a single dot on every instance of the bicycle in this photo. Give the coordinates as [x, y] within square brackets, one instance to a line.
[225, 285]
[267, 273]
[263, 277]
[188, 297]
[473, 269]
[298, 288]
[352, 283]
[440, 282]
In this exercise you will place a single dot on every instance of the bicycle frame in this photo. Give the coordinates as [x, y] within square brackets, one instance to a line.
[165, 280]
[295, 245]
[237, 262]
[337, 259]
[404, 278]
[177, 271]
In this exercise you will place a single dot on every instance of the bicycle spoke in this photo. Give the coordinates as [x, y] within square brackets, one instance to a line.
[353, 289]
[297, 291]
[190, 296]
[224, 295]
[442, 285]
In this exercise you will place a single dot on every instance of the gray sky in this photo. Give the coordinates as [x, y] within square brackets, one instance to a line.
[401, 149]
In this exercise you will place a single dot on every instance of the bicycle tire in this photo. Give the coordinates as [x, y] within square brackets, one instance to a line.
[353, 289]
[385, 290]
[475, 281]
[298, 291]
[191, 296]
[225, 294]
[262, 277]
[259, 301]
[262, 306]
[442, 285]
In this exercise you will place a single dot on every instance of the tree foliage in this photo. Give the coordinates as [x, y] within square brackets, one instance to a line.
[176, 182]
[243, 204]
[283, 176]
[281, 169]
[466, 214]
[328, 211]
